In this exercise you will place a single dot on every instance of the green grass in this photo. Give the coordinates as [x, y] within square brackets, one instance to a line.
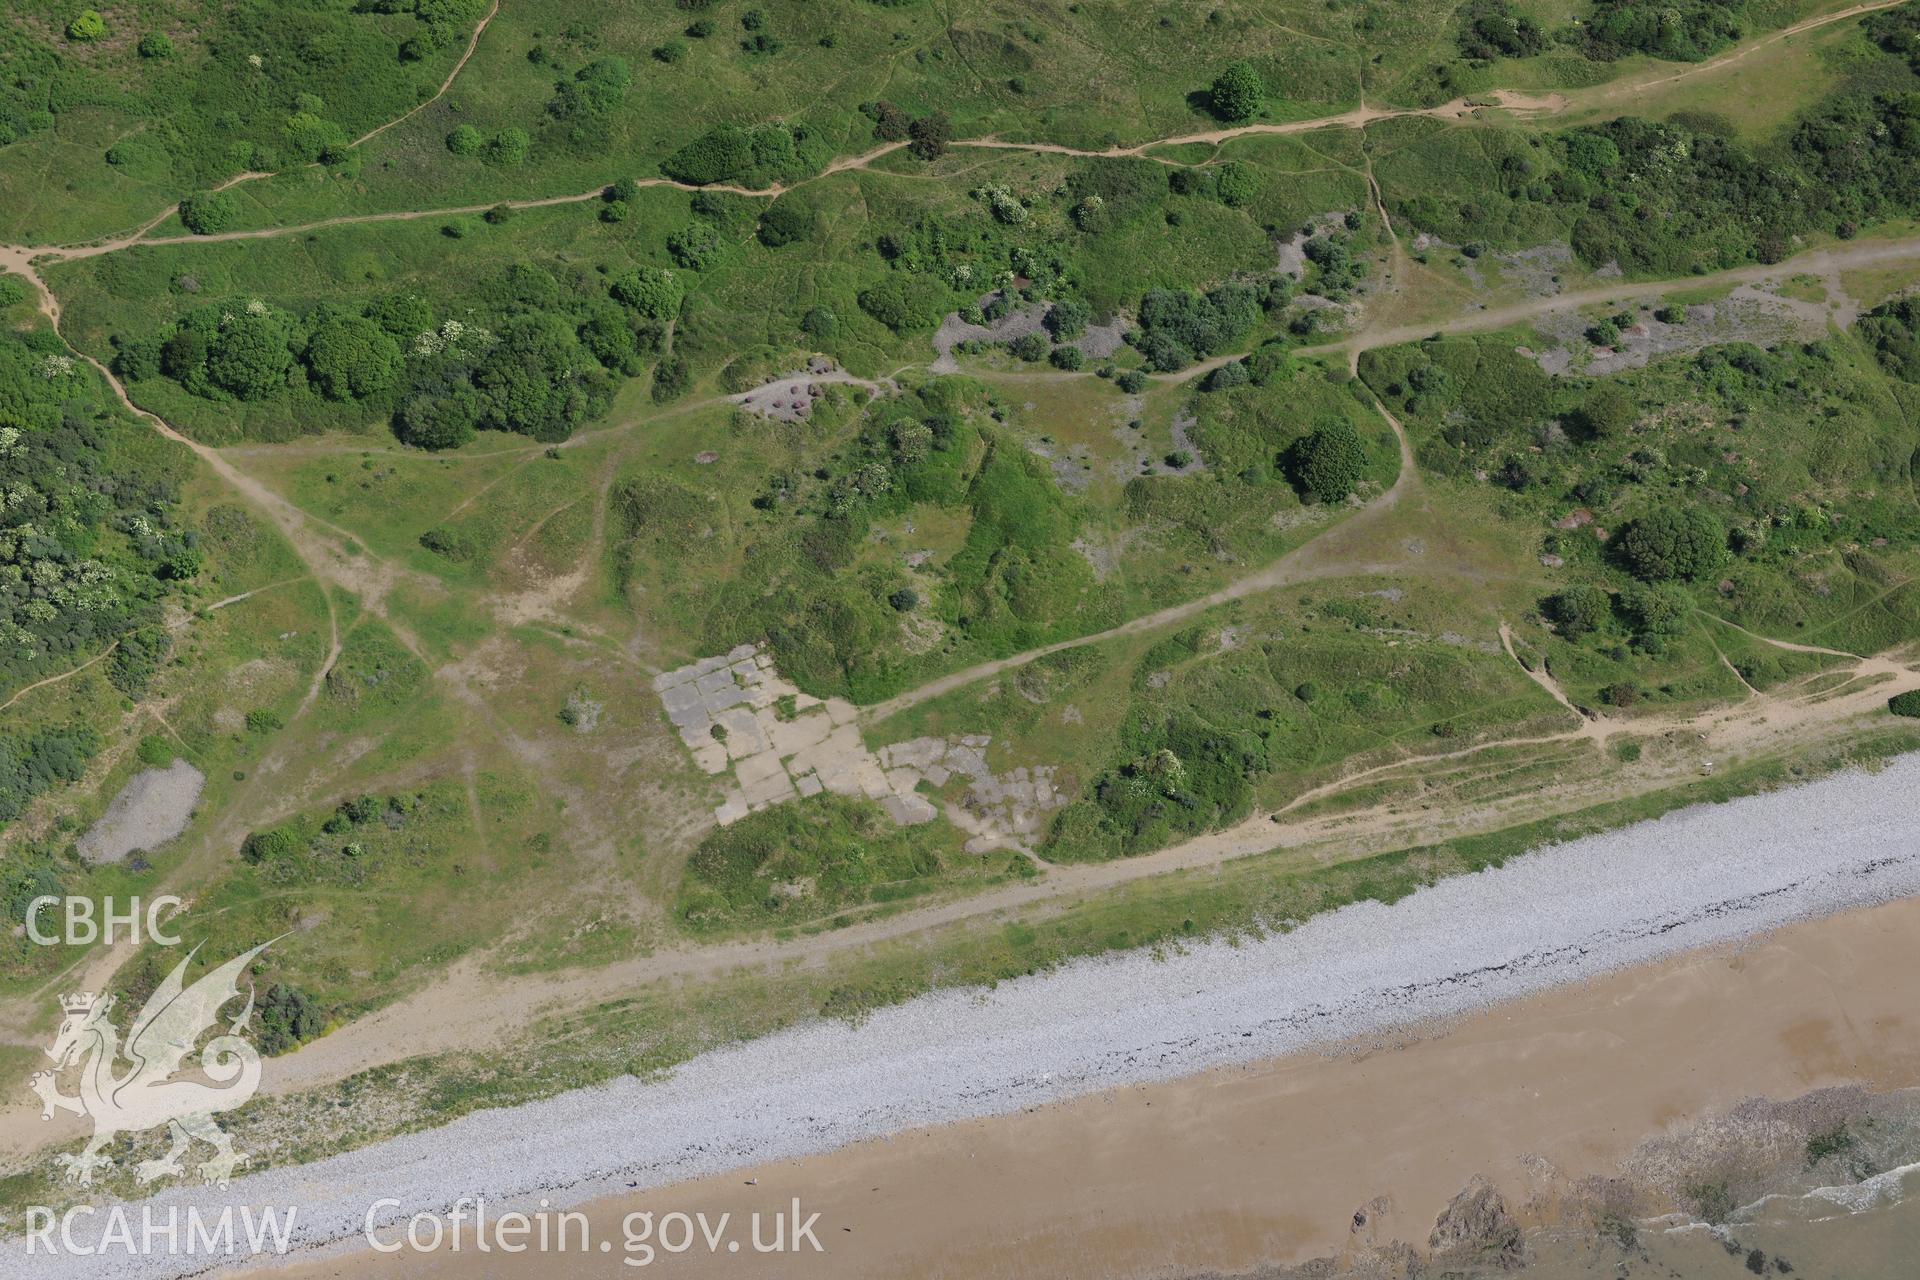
[1822, 523]
[1253, 713]
[798, 862]
[367, 912]
[1084, 78]
[176, 123]
[259, 654]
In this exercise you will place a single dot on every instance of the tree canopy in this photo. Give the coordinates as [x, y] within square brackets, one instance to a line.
[1674, 543]
[1237, 93]
[1330, 463]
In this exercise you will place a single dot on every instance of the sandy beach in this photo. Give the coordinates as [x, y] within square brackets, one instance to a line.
[1270, 1150]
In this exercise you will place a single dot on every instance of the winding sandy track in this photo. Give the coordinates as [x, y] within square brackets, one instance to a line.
[1594, 906]
[1835, 258]
[470, 1009]
[1358, 118]
[1630, 85]
[68, 674]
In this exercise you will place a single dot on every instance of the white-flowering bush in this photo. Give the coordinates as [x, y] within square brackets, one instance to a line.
[1005, 205]
[454, 335]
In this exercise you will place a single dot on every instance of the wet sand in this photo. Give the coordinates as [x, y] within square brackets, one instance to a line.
[1269, 1164]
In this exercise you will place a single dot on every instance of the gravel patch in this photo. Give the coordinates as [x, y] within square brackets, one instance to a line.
[1537, 271]
[1748, 314]
[150, 810]
[1700, 876]
[790, 397]
[1072, 467]
[1290, 255]
[1183, 421]
[1101, 341]
[1022, 320]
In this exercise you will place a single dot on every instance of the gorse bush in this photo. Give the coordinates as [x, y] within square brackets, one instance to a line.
[87, 26]
[757, 158]
[1686, 195]
[1067, 319]
[1580, 610]
[288, 1018]
[1685, 32]
[271, 85]
[649, 292]
[905, 302]
[1892, 330]
[784, 222]
[929, 135]
[38, 760]
[1491, 29]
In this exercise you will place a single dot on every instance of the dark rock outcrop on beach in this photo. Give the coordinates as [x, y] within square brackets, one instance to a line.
[1477, 1229]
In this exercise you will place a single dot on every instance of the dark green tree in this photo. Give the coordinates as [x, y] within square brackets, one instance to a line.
[1328, 464]
[1237, 93]
[438, 421]
[250, 354]
[207, 212]
[288, 1017]
[784, 222]
[1580, 610]
[1608, 411]
[1674, 543]
[649, 291]
[1067, 319]
[1030, 346]
[930, 136]
[352, 358]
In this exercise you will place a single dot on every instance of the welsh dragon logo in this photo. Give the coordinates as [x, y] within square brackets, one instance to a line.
[145, 1095]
